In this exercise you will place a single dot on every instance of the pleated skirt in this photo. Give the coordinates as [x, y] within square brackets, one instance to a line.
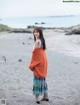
[39, 86]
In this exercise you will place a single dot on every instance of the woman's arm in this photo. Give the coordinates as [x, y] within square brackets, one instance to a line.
[35, 60]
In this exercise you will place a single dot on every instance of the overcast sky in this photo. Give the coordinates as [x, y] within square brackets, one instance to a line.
[23, 8]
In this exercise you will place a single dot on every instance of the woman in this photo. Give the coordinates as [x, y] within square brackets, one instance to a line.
[39, 65]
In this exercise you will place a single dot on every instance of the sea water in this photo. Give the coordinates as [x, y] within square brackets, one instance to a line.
[43, 21]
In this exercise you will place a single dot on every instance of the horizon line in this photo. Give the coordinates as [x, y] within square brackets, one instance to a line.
[42, 16]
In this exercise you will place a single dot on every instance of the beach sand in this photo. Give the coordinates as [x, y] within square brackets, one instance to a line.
[16, 80]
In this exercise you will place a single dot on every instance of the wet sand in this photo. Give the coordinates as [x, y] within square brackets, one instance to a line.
[63, 78]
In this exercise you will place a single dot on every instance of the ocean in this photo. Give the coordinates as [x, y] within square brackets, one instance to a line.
[43, 21]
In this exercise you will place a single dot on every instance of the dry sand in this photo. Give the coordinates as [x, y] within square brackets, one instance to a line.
[63, 78]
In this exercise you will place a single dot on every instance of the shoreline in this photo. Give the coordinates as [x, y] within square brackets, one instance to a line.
[67, 30]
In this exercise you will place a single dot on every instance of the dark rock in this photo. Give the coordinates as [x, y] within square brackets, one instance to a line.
[40, 23]
[76, 31]
[3, 101]
[73, 30]
[17, 30]
[76, 62]
[43, 23]
[68, 32]
[29, 27]
[30, 38]
[23, 43]
[36, 23]
[32, 27]
[20, 60]
[3, 59]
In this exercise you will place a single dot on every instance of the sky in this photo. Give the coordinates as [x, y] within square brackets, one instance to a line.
[24, 8]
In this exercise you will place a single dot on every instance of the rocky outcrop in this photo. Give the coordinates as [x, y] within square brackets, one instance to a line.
[18, 30]
[40, 23]
[5, 28]
[29, 29]
[73, 30]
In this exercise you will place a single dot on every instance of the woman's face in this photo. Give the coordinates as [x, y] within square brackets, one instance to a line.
[36, 34]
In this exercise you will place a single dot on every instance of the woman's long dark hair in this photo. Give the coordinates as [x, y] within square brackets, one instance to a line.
[38, 29]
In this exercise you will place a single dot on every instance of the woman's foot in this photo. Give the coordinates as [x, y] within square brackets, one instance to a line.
[45, 97]
[37, 99]
[38, 102]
